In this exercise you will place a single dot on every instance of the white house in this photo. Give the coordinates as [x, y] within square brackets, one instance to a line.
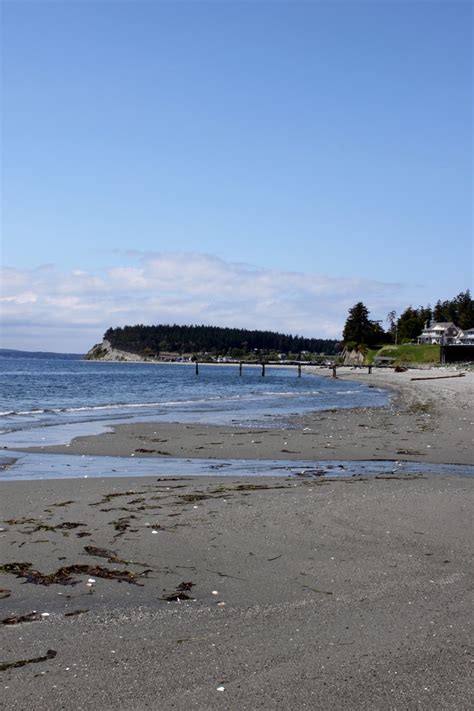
[467, 337]
[443, 333]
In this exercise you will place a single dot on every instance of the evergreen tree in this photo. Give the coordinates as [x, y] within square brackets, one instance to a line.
[465, 308]
[359, 329]
[412, 321]
[459, 310]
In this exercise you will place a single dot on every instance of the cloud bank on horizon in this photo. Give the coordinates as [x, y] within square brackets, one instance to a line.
[68, 311]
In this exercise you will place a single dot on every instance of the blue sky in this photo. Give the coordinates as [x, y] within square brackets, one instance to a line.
[260, 164]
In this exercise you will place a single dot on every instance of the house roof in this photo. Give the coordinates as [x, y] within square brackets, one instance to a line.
[440, 326]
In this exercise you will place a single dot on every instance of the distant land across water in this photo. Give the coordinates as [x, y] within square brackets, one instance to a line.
[12, 353]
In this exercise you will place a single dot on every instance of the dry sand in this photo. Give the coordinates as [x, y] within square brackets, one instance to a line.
[308, 593]
[426, 421]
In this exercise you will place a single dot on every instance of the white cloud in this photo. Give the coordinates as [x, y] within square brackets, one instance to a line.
[48, 309]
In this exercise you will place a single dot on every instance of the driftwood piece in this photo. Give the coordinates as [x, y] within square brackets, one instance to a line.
[440, 377]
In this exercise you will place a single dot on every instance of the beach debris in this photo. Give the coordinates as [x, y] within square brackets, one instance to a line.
[220, 688]
[221, 604]
[401, 477]
[224, 575]
[245, 487]
[64, 575]
[440, 377]
[14, 567]
[412, 452]
[104, 553]
[311, 472]
[316, 590]
[198, 496]
[153, 451]
[190, 639]
[215, 592]
[107, 498]
[181, 593]
[18, 619]
[41, 526]
[50, 654]
[74, 613]
[174, 478]
[63, 503]
[122, 524]
[4, 592]
[275, 557]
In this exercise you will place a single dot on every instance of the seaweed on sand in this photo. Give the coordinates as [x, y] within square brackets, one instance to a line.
[110, 555]
[50, 654]
[107, 498]
[18, 619]
[64, 575]
[122, 524]
[181, 593]
[41, 526]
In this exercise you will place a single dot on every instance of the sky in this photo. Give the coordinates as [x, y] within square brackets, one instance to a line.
[257, 164]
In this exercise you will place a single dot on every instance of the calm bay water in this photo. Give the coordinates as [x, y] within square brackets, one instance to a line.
[43, 399]
[49, 401]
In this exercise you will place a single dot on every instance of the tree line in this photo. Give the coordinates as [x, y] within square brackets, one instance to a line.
[360, 329]
[232, 342]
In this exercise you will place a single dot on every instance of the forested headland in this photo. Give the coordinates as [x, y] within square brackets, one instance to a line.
[213, 340]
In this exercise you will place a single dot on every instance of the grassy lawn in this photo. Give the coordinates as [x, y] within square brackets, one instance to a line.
[410, 354]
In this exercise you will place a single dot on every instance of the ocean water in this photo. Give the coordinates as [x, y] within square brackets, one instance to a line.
[51, 400]
[44, 400]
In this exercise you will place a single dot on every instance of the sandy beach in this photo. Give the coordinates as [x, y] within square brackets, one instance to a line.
[306, 594]
[226, 593]
[428, 420]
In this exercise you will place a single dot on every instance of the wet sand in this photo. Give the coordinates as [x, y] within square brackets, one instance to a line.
[425, 421]
[307, 594]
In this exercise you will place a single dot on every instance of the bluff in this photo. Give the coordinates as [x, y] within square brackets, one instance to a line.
[139, 342]
[105, 351]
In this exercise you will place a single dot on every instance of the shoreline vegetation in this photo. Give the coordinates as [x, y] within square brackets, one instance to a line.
[362, 337]
[398, 355]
